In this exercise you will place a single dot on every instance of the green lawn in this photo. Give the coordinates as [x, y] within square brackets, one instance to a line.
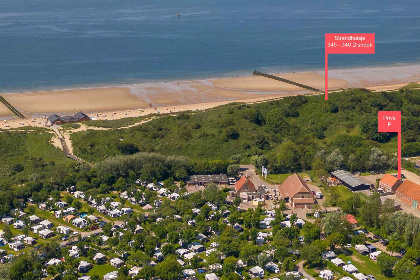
[342, 192]
[101, 270]
[363, 263]
[47, 215]
[85, 208]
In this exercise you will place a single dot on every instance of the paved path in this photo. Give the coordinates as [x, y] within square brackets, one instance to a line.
[301, 270]
[249, 170]
[413, 177]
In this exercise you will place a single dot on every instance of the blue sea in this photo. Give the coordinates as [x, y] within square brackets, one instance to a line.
[53, 44]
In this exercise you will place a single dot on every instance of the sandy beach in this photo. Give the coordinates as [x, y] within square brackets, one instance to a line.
[164, 97]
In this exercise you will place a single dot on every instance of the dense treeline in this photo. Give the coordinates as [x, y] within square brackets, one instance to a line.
[301, 132]
[292, 134]
[114, 173]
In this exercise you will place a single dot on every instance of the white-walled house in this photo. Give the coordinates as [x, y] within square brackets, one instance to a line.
[126, 211]
[17, 246]
[63, 230]
[326, 274]
[46, 233]
[256, 271]
[46, 224]
[84, 266]
[19, 224]
[79, 222]
[116, 262]
[34, 219]
[7, 220]
[29, 240]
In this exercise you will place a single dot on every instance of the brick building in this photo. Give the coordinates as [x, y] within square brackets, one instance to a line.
[389, 183]
[409, 193]
[296, 191]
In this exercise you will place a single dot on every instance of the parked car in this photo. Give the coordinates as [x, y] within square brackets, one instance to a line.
[384, 241]
[371, 277]
[347, 246]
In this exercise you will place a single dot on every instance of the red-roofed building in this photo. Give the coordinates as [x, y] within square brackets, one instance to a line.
[296, 191]
[244, 185]
[409, 193]
[389, 183]
[352, 220]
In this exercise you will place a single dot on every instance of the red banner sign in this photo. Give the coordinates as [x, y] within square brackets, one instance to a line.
[390, 121]
[347, 43]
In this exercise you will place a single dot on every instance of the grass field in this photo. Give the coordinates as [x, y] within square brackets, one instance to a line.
[342, 192]
[57, 222]
[28, 153]
[365, 265]
[101, 270]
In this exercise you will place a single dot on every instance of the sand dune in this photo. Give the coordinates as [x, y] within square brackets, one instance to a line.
[155, 96]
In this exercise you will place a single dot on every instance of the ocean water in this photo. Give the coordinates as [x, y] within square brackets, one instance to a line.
[52, 44]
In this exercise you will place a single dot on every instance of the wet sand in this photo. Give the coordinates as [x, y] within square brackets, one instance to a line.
[124, 101]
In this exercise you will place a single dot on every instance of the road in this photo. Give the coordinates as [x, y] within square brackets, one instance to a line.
[301, 270]
[249, 170]
[409, 176]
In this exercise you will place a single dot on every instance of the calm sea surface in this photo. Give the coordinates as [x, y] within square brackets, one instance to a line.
[49, 44]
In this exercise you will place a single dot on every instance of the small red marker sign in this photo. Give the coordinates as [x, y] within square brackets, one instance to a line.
[347, 43]
[390, 121]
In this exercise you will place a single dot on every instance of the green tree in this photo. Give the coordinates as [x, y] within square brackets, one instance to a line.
[394, 246]
[77, 204]
[288, 157]
[231, 133]
[312, 254]
[415, 273]
[31, 209]
[249, 252]
[335, 222]
[388, 207]
[275, 121]
[233, 170]
[195, 261]
[138, 258]
[234, 276]
[148, 272]
[371, 210]
[69, 199]
[229, 265]
[403, 269]
[386, 263]
[91, 210]
[311, 232]
[19, 267]
[169, 269]
[263, 259]
[288, 264]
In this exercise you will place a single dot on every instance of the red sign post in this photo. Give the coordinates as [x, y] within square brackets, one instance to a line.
[390, 121]
[347, 43]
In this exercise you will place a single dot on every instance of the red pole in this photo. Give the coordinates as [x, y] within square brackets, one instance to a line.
[326, 74]
[399, 155]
